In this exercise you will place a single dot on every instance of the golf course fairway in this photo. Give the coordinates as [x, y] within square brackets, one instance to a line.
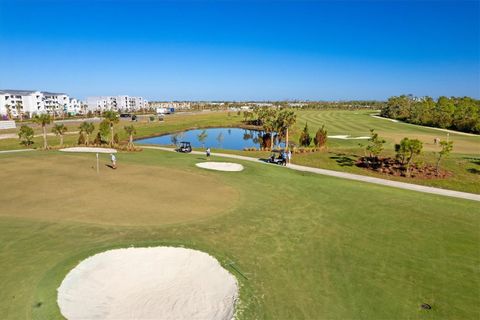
[301, 246]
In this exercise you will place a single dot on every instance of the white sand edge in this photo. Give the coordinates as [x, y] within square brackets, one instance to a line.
[89, 149]
[347, 137]
[220, 166]
[148, 283]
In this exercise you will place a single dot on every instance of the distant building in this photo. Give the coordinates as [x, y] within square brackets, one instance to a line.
[30, 102]
[177, 105]
[116, 103]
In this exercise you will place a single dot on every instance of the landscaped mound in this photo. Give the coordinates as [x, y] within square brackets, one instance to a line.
[220, 166]
[394, 167]
[148, 283]
[89, 149]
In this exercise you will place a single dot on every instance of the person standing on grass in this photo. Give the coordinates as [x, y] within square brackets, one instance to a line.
[289, 156]
[208, 153]
[114, 161]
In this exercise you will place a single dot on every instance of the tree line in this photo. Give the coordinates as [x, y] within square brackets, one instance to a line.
[462, 114]
[105, 134]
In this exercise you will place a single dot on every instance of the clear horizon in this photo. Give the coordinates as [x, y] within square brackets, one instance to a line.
[242, 51]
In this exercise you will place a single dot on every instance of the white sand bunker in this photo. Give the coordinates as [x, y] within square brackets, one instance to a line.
[148, 283]
[89, 149]
[220, 166]
[347, 137]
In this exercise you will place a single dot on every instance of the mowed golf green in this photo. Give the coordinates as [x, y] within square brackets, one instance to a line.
[303, 246]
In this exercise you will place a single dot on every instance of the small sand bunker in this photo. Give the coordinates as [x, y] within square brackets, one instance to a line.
[347, 137]
[88, 149]
[220, 166]
[148, 283]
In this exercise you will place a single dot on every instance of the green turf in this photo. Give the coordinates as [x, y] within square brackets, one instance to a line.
[463, 163]
[312, 247]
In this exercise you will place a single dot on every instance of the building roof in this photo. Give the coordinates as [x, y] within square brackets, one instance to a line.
[46, 93]
[17, 92]
[27, 92]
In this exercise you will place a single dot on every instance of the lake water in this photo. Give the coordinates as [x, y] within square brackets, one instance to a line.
[220, 138]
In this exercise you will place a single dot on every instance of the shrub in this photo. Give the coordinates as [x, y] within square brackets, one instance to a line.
[305, 138]
[81, 139]
[26, 135]
[406, 150]
[320, 137]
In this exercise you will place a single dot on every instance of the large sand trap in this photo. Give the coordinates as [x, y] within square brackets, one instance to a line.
[148, 283]
[347, 137]
[89, 149]
[220, 166]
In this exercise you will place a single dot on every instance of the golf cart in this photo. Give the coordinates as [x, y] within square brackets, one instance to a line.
[184, 147]
[277, 157]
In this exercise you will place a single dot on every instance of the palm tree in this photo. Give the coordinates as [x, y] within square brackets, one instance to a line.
[130, 130]
[59, 129]
[286, 119]
[9, 111]
[18, 107]
[43, 120]
[87, 128]
[111, 117]
[269, 119]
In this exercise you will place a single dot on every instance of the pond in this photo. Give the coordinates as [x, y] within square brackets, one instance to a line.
[220, 138]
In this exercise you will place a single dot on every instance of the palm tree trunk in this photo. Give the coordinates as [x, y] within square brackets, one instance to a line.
[44, 137]
[131, 140]
[61, 140]
[111, 140]
[286, 140]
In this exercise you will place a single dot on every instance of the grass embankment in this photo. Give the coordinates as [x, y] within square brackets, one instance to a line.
[311, 246]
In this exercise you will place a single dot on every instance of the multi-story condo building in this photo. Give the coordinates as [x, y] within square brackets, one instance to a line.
[116, 103]
[30, 102]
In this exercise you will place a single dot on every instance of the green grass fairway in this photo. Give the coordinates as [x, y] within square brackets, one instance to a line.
[310, 246]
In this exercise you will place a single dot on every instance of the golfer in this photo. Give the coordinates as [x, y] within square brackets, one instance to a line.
[114, 161]
[208, 153]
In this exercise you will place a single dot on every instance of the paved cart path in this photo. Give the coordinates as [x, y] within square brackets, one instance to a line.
[350, 176]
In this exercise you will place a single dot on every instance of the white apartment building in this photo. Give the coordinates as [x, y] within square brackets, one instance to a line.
[116, 103]
[30, 102]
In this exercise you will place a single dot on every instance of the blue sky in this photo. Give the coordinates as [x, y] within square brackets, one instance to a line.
[241, 50]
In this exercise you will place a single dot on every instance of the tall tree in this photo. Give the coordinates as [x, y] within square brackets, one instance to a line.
[59, 129]
[43, 119]
[111, 117]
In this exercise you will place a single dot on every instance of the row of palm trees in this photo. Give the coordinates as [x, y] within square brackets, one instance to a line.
[274, 120]
[110, 118]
